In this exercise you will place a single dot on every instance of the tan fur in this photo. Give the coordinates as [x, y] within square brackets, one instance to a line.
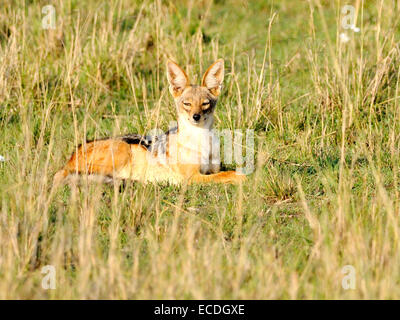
[117, 159]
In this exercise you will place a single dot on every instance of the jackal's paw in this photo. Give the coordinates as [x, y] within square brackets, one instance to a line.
[240, 177]
[236, 178]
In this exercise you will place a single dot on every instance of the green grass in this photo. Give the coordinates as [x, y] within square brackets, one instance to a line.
[325, 191]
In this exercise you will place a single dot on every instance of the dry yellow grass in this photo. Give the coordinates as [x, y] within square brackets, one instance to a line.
[325, 192]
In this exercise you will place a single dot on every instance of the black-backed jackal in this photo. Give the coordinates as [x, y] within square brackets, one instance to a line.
[185, 154]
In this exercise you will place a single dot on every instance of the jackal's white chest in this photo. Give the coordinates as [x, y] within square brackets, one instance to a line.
[201, 147]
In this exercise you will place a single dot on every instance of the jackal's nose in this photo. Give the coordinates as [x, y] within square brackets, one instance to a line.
[196, 117]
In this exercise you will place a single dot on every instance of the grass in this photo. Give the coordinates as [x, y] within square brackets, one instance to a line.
[325, 192]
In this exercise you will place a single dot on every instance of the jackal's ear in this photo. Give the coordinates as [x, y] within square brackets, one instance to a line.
[213, 77]
[177, 78]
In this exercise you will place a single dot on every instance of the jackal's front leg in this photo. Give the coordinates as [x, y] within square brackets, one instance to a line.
[220, 177]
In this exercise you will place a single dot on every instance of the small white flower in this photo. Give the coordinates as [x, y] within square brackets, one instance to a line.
[344, 37]
[2, 159]
[355, 29]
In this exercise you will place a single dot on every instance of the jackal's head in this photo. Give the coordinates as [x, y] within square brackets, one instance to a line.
[196, 104]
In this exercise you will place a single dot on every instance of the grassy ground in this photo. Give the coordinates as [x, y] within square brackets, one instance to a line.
[325, 192]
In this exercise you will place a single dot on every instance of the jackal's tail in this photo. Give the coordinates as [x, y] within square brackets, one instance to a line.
[59, 177]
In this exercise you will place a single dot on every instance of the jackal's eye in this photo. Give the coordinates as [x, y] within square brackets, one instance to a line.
[205, 104]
